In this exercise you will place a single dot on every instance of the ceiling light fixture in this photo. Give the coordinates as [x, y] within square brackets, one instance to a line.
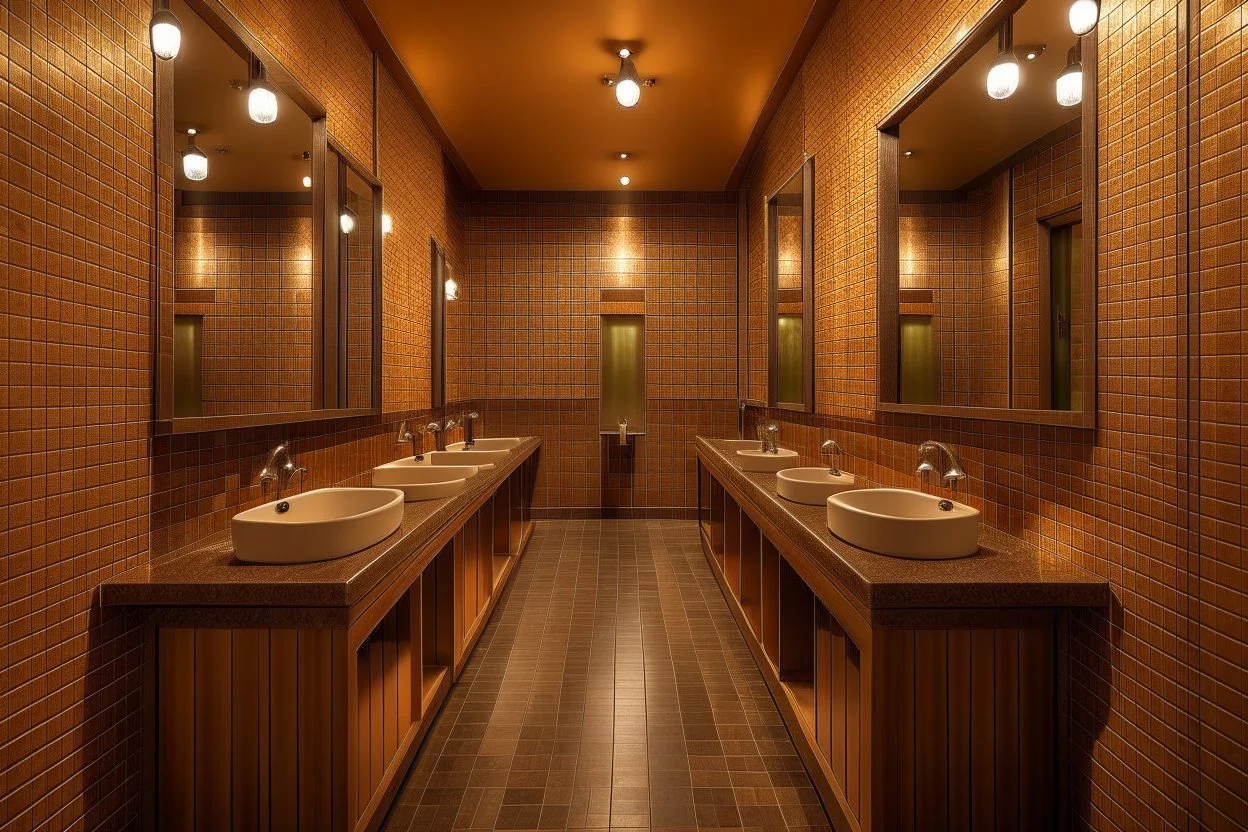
[908, 153]
[451, 289]
[261, 100]
[346, 220]
[627, 83]
[1004, 73]
[166, 34]
[1070, 82]
[1084, 15]
[625, 181]
[1032, 51]
[623, 156]
[194, 162]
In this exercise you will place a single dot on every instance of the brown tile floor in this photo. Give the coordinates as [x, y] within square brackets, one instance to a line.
[612, 689]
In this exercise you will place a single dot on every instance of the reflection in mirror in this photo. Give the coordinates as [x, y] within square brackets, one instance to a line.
[243, 238]
[790, 242]
[992, 288]
[439, 271]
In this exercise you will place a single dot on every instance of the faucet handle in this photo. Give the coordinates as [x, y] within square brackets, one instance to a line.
[433, 427]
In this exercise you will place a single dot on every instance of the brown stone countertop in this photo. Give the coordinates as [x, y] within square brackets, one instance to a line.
[1006, 572]
[206, 574]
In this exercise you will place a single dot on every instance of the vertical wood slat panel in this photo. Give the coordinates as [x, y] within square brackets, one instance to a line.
[444, 609]
[840, 710]
[750, 578]
[471, 561]
[176, 726]
[769, 590]
[485, 558]
[1007, 729]
[461, 613]
[931, 730]
[515, 487]
[340, 749]
[390, 673]
[416, 617]
[403, 660]
[377, 706]
[958, 664]
[315, 724]
[1036, 685]
[212, 729]
[732, 547]
[263, 726]
[824, 680]
[363, 727]
[853, 729]
[245, 731]
[983, 730]
[283, 729]
[502, 526]
[893, 782]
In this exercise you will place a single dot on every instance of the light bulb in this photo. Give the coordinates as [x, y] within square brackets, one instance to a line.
[451, 289]
[387, 223]
[623, 156]
[166, 34]
[1003, 76]
[625, 181]
[627, 82]
[307, 181]
[194, 162]
[1084, 15]
[346, 221]
[1070, 81]
[262, 103]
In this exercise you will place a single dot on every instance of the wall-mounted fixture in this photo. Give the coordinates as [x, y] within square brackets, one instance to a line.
[627, 83]
[626, 181]
[1070, 82]
[1004, 73]
[194, 162]
[387, 224]
[307, 181]
[261, 99]
[451, 289]
[1084, 15]
[166, 34]
[346, 220]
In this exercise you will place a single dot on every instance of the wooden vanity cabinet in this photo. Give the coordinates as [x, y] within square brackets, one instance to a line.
[308, 718]
[907, 719]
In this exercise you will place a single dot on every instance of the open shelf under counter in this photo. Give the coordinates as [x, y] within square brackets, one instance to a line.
[920, 694]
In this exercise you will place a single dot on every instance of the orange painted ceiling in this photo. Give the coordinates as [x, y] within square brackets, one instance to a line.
[517, 85]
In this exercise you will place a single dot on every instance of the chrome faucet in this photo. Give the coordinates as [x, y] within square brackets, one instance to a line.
[770, 437]
[624, 431]
[834, 452]
[953, 473]
[470, 420]
[406, 435]
[279, 470]
[440, 430]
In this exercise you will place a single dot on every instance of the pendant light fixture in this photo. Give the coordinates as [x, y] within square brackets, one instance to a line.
[626, 181]
[261, 99]
[1084, 15]
[194, 162]
[166, 34]
[346, 220]
[627, 83]
[1070, 81]
[1004, 73]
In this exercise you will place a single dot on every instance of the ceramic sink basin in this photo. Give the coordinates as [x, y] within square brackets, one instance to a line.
[316, 525]
[422, 481]
[484, 451]
[811, 486]
[755, 459]
[904, 524]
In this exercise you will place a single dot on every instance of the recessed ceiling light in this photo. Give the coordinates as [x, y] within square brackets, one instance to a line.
[909, 153]
[625, 181]
[623, 156]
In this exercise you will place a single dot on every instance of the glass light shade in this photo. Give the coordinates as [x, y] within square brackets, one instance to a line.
[627, 83]
[262, 104]
[307, 181]
[451, 289]
[1070, 85]
[1084, 15]
[625, 180]
[387, 223]
[166, 35]
[195, 164]
[1003, 76]
[346, 221]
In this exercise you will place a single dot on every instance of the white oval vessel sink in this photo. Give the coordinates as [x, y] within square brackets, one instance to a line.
[760, 460]
[318, 525]
[811, 486]
[422, 481]
[904, 524]
[484, 451]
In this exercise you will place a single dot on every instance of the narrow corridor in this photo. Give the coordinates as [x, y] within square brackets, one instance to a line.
[612, 689]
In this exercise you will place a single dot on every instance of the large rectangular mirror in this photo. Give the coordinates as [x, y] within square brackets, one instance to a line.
[791, 290]
[263, 315]
[987, 227]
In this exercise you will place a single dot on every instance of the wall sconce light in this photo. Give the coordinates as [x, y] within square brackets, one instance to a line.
[194, 162]
[1004, 73]
[166, 34]
[450, 289]
[346, 220]
[261, 99]
[1070, 82]
[627, 83]
[1084, 15]
[387, 224]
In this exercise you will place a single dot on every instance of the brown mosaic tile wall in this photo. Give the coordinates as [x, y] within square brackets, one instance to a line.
[530, 299]
[249, 271]
[1157, 697]
[360, 305]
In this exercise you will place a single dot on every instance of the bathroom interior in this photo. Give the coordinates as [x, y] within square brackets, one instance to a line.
[813, 414]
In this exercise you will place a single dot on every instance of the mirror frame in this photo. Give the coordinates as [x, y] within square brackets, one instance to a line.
[437, 325]
[807, 172]
[888, 256]
[233, 32]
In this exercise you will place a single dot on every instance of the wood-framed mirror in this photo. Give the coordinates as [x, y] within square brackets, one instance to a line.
[791, 292]
[442, 289]
[246, 333]
[987, 227]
